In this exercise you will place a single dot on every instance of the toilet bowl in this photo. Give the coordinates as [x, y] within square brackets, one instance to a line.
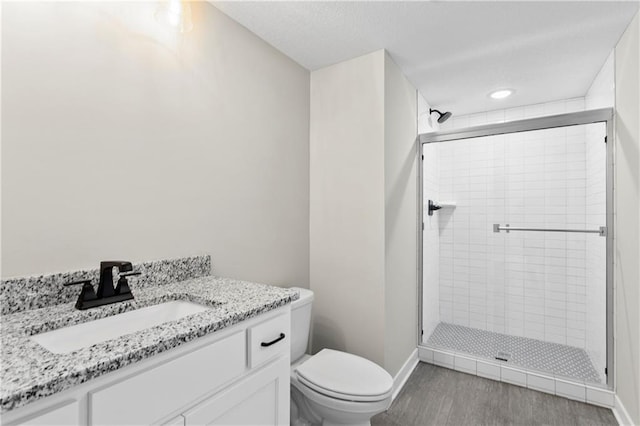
[332, 387]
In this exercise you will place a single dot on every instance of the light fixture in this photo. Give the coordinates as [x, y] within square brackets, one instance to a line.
[175, 14]
[501, 94]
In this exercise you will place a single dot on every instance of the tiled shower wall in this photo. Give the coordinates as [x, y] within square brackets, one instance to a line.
[596, 249]
[521, 283]
[431, 242]
[512, 114]
[525, 284]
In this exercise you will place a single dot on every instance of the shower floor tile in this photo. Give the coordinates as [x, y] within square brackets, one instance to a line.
[533, 354]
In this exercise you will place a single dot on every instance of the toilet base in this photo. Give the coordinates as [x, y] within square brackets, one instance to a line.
[314, 409]
[300, 412]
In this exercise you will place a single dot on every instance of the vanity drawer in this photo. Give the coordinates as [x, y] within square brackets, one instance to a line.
[149, 396]
[268, 340]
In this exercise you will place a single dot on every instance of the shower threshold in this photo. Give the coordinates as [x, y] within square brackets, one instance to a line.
[532, 354]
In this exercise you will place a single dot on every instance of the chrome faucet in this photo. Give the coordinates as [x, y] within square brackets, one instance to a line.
[106, 293]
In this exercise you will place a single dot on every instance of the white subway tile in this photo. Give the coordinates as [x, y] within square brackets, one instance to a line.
[561, 339]
[570, 390]
[510, 375]
[482, 266]
[575, 105]
[477, 119]
[497, 116]
[532, 111]
[488, 370]
[443, 359]
[513, 114]
[578, 342]
[541, 383]
[464, 364]
[426, 355]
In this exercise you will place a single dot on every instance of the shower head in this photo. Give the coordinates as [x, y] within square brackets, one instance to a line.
[444, 116]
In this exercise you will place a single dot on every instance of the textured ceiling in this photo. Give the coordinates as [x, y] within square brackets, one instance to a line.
[455, 53]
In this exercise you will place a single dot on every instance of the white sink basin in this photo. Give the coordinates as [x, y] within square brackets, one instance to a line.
[72, 338]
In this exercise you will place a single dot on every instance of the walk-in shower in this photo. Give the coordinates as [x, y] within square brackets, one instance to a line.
[516, 244]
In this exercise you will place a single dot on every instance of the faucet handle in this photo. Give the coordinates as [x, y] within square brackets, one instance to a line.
[86, 294]
[123, 284]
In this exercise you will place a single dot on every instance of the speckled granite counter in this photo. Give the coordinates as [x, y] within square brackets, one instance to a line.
[30, 372]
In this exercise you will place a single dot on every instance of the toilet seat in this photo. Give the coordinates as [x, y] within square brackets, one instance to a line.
[369, 408]
[345, 376]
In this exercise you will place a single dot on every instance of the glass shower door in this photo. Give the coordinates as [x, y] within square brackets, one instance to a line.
[534, 295]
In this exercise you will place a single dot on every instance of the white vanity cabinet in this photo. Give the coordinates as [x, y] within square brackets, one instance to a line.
[64, 413]
[261, 399]
[236, 376]
[182, 380]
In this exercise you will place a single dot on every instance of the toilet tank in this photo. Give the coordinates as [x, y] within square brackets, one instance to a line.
[300, 323]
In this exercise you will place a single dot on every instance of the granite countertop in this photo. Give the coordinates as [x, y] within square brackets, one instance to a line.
[29, 372]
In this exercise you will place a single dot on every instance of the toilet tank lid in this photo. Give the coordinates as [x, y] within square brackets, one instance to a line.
[306, 297]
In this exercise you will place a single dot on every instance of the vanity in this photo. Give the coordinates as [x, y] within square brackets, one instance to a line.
[203, 350]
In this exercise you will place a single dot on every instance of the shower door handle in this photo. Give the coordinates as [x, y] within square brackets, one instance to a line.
[602, 231]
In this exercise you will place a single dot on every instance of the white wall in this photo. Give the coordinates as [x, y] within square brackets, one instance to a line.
[602, 93]
[426, 122]
[363, 209]
[347, 263]
[124, 139]
[627, 221]
[400, 189]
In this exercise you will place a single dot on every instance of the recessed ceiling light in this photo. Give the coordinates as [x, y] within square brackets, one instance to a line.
[501, 94]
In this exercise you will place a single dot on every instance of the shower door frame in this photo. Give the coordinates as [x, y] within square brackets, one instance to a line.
[604, 115]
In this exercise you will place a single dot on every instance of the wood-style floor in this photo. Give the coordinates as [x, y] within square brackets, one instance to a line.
[439, 396]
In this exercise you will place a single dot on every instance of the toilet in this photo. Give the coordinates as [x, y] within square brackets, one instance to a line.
[332, 387]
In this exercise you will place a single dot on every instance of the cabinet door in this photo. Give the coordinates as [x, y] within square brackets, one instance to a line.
[67, 413]
[260, 399]
[153, 394]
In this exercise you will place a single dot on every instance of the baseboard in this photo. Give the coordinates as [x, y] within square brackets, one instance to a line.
[621, 414]
[403, 375]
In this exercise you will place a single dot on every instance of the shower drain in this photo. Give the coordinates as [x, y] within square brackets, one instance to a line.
[503, 356]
